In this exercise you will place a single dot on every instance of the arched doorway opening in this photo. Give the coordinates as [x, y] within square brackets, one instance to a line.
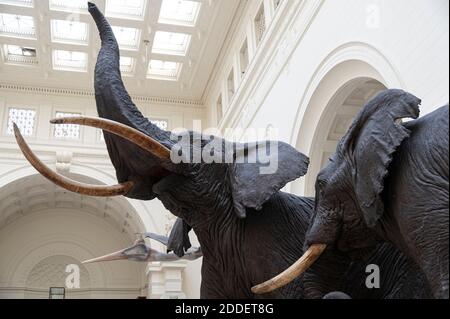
[336, 120]
[340, 87]
[44, 229]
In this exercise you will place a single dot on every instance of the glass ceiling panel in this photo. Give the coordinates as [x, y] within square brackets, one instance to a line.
[22, 51]
[69, 31]
[165, 70]
[69, 60]
[69, 5]
[20, 55]
[127, 64]
[182, 12]
[171, 43]
[128, 38]
[21, 3]
[131, 9]
[17, 25]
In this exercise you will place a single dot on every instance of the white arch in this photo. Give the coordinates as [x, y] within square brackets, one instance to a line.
[30, 248]
[140, 212]
[346, 63]
[54, 246]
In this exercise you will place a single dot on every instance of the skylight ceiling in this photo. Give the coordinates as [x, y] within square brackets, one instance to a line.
[69, 60]
[17, 25]
[164, 70]
[21, 3]
[171, 43]
[182, 12]
[20, 51]
[127, 9]
[128, 38]
[69, 5]
[15, 54]
[69, 32]
[159, 53]
[127, 65]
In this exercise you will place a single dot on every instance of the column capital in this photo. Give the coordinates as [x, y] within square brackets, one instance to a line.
[166, 280]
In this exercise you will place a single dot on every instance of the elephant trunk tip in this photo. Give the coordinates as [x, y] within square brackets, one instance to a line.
[94, 10]
[91, 6]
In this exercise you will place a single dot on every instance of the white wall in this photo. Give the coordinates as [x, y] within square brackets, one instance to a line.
[402, 43]
[67, 232]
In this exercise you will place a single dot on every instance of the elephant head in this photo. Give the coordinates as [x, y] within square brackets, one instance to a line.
[349, 190]
[151, 162]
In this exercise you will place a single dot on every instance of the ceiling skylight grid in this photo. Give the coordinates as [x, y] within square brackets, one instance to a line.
[167, 30]
[163, 70]
[171, 43]
[182, 12]
[79, 6]
[20, 3]
[127, 9]
[127, 65]
[69, 31]
[17, 25]
[69, 60]
[128, 38]
[20, 55]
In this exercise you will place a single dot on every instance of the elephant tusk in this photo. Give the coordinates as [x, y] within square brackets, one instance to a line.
[302, 265]
[140, 139]
[67, 183]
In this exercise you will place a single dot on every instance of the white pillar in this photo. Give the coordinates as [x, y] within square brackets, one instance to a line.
[166, 280]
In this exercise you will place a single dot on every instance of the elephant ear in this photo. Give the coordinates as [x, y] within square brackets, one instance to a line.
[370, 144]
[260, 170]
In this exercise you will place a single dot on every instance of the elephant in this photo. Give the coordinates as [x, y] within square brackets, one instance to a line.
[387, 182]
[404, 280]
[247, 228]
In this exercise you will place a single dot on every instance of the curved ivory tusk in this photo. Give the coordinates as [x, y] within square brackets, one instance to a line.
[302, 265]
[67, 183]
[140, 139]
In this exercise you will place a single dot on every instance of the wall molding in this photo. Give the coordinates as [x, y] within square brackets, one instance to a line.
[280, 42]
[90, 94]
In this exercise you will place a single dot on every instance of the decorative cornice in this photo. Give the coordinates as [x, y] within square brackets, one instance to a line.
[272, 57]
[90, 94]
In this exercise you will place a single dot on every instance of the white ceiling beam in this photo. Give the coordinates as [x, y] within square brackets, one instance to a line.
[147, 38]
[192, 80]
[44, 37]
[23, 11]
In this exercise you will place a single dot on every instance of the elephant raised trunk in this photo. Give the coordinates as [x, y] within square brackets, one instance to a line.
[121, 123]
[113, 101]
[106, 33]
